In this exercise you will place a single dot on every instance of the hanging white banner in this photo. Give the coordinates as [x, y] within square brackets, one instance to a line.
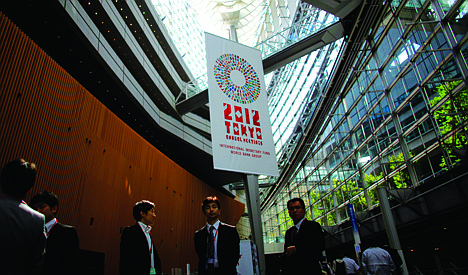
[240, 123]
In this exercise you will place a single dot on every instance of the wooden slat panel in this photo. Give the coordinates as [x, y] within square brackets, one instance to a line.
[97, 165]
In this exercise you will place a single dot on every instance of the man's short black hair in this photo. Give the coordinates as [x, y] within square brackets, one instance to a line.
[46, 197]
[141, 206]
[17, 178]
[301, 201]
[209, 200]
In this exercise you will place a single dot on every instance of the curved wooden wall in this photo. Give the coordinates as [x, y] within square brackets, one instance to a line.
[97, 165]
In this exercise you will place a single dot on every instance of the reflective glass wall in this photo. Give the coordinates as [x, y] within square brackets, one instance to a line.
[401, 119]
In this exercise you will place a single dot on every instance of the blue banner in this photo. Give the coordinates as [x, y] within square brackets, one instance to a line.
[354, 225]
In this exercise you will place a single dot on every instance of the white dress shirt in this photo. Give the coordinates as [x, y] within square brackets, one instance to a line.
[49, 226]
[376, 260]
[351, 265]
[146, 229]
[298, 225]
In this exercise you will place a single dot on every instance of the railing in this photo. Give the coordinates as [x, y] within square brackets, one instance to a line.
[195, 87]
[297, 32]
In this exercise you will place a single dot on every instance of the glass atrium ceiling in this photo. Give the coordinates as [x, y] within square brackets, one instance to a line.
[187, 20]
[269, 26]
[264, 24]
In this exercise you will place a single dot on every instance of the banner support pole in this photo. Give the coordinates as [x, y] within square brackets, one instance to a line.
[255, 218]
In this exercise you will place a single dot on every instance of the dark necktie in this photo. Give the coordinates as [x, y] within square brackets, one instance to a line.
[294, 233]
[210, 250]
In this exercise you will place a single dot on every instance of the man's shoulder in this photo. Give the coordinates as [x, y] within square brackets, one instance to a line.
[229, 229]
[348, 260]
[31, 212]
[384, 251]
[131, 229]
[372, 250]
[133, 232]
[13, 207]
[19, 214]
[64, 228]
[311, 224]
[17, 205]
[226, 225]
[199, 231]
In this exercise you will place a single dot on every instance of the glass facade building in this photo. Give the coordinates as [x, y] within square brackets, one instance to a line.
[399, 120]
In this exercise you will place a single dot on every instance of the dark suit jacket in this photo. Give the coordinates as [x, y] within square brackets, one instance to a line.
[228, 249]
[22, 238]
[61, 251]
[309, 243]
[135, 258]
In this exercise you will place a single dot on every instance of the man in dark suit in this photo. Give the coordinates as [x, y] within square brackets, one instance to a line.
[216, 244]
[138, 256]
[62, 240]
[304, 242]
[22, 236]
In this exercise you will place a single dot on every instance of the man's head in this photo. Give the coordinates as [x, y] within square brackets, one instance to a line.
[211, 209]
[143, 211]
[45, 203]
[17, 178]
[296, 209]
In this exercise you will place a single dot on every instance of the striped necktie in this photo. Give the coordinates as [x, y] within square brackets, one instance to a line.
[210, 248]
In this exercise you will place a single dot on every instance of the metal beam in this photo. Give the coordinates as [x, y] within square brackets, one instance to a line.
[193, 103]
[297, 50]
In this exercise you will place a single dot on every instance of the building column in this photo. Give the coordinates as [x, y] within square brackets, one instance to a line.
[390, 225]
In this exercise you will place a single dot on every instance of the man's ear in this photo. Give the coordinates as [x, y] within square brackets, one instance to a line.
[143, 214]
[54, 209]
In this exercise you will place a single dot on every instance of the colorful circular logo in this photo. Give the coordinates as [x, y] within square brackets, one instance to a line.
[229, 70]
